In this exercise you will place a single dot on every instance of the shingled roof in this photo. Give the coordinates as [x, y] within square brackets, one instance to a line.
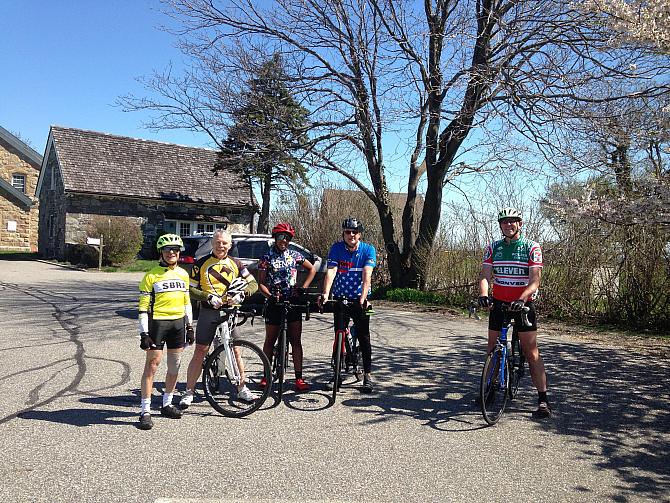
[101, 163]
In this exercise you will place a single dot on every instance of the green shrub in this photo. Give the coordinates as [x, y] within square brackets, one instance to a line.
[417, 296]
[122, 238]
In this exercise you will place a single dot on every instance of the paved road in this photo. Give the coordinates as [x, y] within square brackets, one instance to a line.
[70, 368]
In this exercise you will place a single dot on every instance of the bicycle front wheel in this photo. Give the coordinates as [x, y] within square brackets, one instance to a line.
[281, 361]
[221, 382]
[494, 387]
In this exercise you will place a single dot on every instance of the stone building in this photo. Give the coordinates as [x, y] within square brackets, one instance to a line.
[165, 187]
[19, 171]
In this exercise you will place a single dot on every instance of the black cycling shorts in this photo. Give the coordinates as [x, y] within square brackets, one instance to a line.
[169, 332]
[496, 318]
[272, 314]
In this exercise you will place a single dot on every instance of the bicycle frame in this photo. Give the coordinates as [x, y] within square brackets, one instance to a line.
[341, 307]
[501, 374]
[223, 336]
[280, 350]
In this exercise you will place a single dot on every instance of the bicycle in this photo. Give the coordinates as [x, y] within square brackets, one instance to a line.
[503, 368]
[233, 363]
[280, 350]
[345, 343]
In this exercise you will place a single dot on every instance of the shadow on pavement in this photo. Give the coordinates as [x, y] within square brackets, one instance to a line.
[82, 417]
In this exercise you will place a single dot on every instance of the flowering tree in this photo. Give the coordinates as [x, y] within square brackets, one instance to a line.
[645, 22]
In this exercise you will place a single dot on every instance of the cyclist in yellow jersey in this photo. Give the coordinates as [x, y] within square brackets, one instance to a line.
[165, 318]
[211, 278]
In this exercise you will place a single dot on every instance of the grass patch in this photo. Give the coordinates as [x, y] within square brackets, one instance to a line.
[135, 266]
[416, 296]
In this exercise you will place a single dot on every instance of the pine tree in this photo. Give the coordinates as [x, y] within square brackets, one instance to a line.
[265, 139]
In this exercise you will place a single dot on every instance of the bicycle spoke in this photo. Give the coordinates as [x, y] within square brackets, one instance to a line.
[493, 388]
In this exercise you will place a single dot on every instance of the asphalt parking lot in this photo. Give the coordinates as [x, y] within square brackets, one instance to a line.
[71, 367]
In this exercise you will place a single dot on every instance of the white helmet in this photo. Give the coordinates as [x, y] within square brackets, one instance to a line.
[237, 286]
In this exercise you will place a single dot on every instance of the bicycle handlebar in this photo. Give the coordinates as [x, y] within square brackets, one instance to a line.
[245, 315]
[505, 308]
[345, 302]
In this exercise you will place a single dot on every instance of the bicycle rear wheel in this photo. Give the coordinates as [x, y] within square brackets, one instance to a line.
[337, 360]
[494, 387]
[517, 370]
[219, 383]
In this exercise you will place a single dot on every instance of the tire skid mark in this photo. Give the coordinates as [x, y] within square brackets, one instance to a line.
[68, 319]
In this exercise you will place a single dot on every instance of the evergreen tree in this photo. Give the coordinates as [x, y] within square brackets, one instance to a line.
[268, 131]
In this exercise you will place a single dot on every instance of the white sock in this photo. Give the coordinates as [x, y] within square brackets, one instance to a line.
[145, 406]
[167, 399]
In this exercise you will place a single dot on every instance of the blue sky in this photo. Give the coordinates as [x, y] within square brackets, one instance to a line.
[65, 62]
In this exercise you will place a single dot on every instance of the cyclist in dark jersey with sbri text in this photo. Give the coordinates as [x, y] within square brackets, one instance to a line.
[513, 266]
[350, 265]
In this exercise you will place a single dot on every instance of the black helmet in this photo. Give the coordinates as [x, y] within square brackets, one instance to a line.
[352, 223]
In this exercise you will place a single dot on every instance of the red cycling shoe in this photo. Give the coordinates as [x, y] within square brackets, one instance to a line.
[301, 385]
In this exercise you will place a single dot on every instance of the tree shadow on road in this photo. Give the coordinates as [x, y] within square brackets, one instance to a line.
[82, 416]
[612, 403]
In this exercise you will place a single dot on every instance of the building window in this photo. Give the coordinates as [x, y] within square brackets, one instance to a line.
[189, 228]
[184, 229]
[19, 182]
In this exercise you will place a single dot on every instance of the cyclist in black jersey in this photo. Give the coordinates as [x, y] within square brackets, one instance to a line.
[165, 318]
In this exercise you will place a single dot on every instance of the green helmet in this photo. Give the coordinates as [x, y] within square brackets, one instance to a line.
[169, 240]
[509, 213]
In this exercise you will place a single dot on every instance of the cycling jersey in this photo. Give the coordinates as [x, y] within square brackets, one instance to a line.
[164, 293]
[511, 266]
[213, 275]
[349, 278]
[281, 269]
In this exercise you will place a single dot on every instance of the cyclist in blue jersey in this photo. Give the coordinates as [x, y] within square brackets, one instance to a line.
[349, 274]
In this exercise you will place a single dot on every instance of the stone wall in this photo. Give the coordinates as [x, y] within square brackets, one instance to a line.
[152, 216]
[53, 205]
[25, 236]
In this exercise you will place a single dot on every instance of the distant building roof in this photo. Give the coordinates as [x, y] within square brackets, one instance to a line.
[22, 147]
[106, 164]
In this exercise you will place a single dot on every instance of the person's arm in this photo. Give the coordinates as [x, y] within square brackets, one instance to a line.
[311, 272]
[367, 283]
[328, 281]
[262, 275]
[485, 278]
[534, 277]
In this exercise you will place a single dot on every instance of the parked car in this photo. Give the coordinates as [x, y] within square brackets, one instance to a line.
[249, 248]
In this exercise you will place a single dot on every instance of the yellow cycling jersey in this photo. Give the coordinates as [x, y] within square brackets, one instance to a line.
[212, 275]
[164, 293]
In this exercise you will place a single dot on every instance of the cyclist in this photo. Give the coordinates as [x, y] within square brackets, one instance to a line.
[277, 277]
[164, 294]
[513, 267]
[213, 279]
[350, 265]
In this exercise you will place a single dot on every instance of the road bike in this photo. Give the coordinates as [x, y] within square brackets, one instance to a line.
[232, 364]
[346, 354]
[280, 351]
[504, 366]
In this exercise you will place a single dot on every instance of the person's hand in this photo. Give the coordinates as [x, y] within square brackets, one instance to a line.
[516, 305]
[484, 301]
[146, 342]
[236, 299]
[215, 301]
[190, 334]
[320, 300]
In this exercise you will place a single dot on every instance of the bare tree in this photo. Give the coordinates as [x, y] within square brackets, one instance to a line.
[440, 75]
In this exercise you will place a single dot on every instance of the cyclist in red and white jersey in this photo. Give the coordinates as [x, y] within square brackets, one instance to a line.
[512, 266]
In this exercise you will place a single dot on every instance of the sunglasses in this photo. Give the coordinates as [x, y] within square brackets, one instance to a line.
[353, 233]
[283, 237]
[173, 249]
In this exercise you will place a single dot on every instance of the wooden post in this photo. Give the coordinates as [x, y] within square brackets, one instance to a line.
[100, 254]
